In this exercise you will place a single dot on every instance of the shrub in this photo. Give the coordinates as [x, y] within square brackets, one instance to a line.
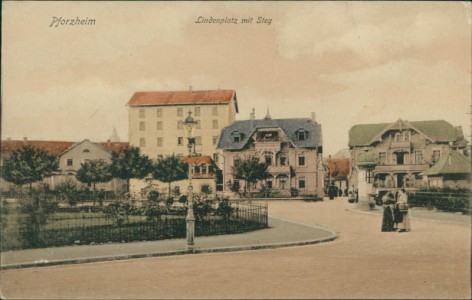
[224, 209]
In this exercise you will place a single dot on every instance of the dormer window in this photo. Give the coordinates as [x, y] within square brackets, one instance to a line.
[302, 134]
[236, 136]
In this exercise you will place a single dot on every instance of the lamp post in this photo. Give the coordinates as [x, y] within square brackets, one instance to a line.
[188, 124]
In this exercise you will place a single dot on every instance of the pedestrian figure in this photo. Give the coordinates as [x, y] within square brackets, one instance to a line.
[340, 192]
[402, 218]
[332, 192]
[388, 202]
[345, 192]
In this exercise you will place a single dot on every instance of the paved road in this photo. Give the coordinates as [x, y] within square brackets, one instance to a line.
[432, 261]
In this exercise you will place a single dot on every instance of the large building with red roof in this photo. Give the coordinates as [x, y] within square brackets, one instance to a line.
[155, 120]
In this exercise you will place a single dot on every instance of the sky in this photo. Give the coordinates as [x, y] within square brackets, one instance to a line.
[349, 62]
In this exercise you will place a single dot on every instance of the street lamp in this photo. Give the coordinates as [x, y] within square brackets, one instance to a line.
[188, 125]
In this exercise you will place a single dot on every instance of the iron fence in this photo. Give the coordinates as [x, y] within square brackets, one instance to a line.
[447, 201]
[19, 231]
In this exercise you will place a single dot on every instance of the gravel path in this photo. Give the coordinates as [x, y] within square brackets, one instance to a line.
[432, 261]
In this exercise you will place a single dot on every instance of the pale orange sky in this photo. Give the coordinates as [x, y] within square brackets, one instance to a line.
[350, 62]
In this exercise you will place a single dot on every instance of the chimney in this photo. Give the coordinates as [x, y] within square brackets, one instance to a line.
[313, 117]
[190, 88]
[252, 116]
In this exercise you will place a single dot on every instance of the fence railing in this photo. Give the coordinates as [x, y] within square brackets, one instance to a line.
[19, 231]
[447, 201]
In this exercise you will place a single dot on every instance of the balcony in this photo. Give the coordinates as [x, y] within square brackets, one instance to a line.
[278, 169]
[400, 145]
[273, 146]
[401, 168]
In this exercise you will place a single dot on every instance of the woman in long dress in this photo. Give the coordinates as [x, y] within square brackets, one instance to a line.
[403, 223]
[387, 218]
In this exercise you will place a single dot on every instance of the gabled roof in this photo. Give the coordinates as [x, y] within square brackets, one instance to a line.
[452, 163]
[436, 130]
[289, 127]
[183, 97]
[339, 167]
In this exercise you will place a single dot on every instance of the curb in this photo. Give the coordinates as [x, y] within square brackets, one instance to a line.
[329, 238]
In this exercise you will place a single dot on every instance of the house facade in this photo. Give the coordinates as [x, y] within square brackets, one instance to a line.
[394, 155]
[70, 155]
[155, 120]
[292, 149]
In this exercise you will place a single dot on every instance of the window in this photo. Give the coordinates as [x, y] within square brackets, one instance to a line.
[180, 112]
[198, 140]
[436, 156]
[215, 140]
[302, 135]
[86, 151]
[269, 183]
[197, 111]
[268, 158]
[382, 158]
[70, 162]
[215, 124]
[418, 157]
[403, 136]
[142, 126]
[283, 182]
[141, 113]
[204, 169]
[301, 182]
[215, 157]
[301, 160]
[180, 125]
[160, 141]
[159, 125]
[196, 169]
[368, 176]
[236, 136]
[180, 141]
[283, 160]
[215, 111]
[159, 113]
[400, 158]
[199, 126]
[142, 142]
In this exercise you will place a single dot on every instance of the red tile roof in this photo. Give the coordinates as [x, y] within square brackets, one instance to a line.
[55, 148]
[198, 160]
[181, 97]
[339, 167]
[115, 146]
[51, 147]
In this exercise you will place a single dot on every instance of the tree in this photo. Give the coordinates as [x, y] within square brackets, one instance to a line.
[93, 172]
[250, 170]
[170, 169]
[28, 165]
[130, 164]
